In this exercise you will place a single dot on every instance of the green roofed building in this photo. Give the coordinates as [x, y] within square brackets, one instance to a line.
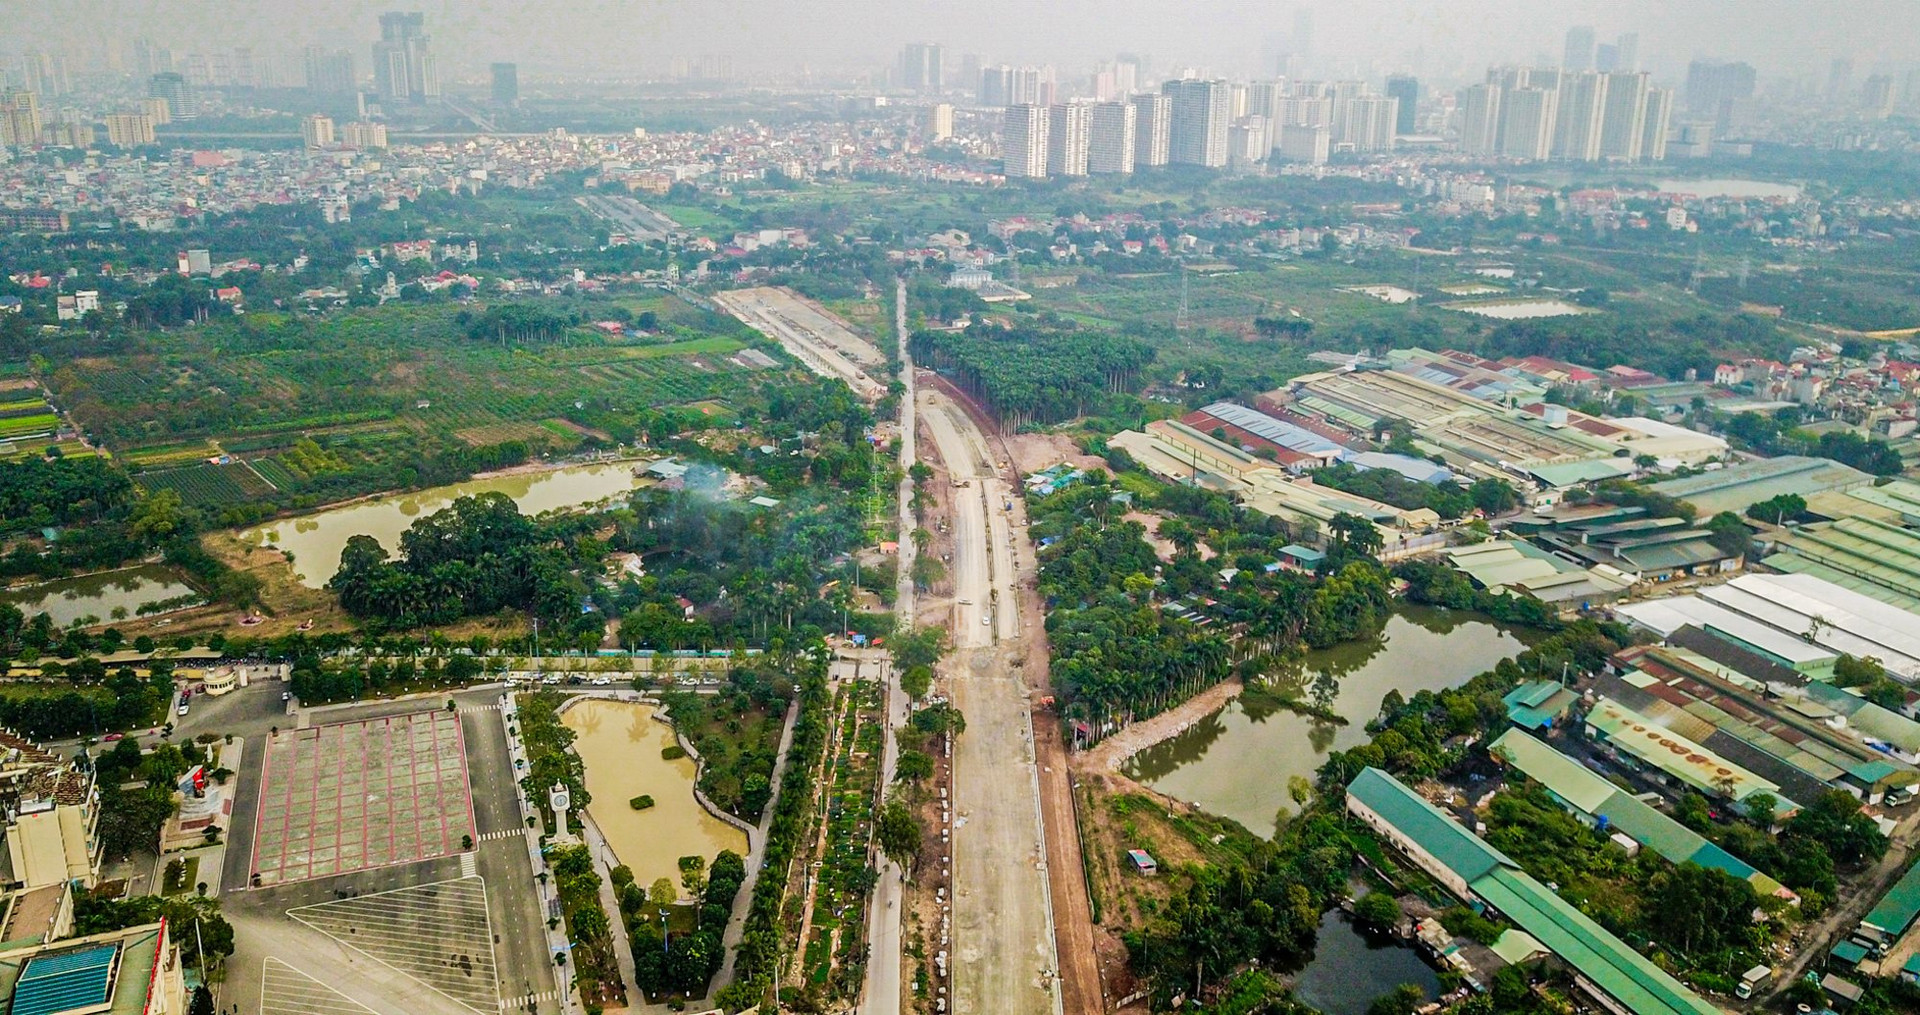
[1892, 915]
[1603, 965]
[1538, 704]
[1601, 804]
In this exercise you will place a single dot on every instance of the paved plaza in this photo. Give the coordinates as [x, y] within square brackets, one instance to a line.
[439, 934]
[285, 990]
[358, 795]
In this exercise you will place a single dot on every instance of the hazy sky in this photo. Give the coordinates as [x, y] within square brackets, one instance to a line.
[1350, 37]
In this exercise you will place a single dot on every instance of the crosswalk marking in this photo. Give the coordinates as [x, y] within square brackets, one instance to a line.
[526, 1000]
[467, 868]
[505, 833]
[482, 708]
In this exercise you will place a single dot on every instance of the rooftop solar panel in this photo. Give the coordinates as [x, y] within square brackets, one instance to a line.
[67, 981]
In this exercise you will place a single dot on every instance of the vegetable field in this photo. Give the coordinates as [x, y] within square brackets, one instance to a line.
[207, 484]
[382, 383]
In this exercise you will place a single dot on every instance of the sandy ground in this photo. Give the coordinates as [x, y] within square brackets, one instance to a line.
[1109, 754]
[1035, 451]
[1003, 950]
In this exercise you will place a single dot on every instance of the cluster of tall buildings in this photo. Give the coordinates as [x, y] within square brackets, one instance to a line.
[318, 131]
[1541, 113]
[1206, 122]
[403, 66]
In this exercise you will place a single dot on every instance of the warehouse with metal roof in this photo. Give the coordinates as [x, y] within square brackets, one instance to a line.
[1738, 487]
[1874, 558]
[1893, 914]
[1294, 438]
[1665, 616]
[1603, 805]
[1828, 615]
[1652, 746]
[1605, 965]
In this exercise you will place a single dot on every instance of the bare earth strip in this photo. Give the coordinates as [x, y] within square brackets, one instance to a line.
[815, 337]
[1003, 949]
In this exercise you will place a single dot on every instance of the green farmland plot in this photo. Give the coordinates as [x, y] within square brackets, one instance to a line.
[207, 484]
[374, 378]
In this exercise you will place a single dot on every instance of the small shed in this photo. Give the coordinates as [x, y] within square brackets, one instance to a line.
[1142, 861]
[1845, 994]
[1303, 558]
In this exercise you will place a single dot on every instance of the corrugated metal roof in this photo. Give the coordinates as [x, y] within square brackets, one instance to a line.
[1626, 975]
[1678, 756]
[1463, 852]
[1896, 910]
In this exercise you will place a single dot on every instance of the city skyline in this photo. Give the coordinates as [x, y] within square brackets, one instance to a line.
[1220, 38]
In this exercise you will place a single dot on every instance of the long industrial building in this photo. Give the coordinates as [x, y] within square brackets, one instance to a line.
[1605, 967]
[1738, 487]
[1800, 620]
[1600, 804]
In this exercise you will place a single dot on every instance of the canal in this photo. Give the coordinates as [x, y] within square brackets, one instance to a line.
[1238, 762]
[98, 595]
[315, 540]
[620, 743]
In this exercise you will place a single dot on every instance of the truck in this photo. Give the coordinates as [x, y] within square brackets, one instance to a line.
[1752, 980]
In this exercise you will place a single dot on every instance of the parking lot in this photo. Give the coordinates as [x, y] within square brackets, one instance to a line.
[356, 795]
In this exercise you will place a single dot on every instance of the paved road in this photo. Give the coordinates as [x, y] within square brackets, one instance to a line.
[1003, 958]
[881, 994]
[503, 859]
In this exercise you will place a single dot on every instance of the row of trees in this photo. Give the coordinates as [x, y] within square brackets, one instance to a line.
[757, 957]
[1028, 375]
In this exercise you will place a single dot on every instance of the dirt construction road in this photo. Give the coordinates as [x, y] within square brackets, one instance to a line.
[1003, 957]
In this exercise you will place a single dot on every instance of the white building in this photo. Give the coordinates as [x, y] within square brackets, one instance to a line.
[1526, 123]
[1202, 111]
[1113, 138]
[129, 130]
[1023, 142]
[1304, 144]
[1659, 113]
[940, 121]
[1579, 115]
[1153, 130]
[317, 130]
[1068, 137]
[1623, 125]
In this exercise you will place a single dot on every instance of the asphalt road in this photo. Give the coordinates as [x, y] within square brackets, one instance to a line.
[1003, 958]
[881, 994]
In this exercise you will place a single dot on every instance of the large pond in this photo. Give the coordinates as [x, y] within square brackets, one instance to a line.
[98, 595]
[1350, 968]
[620, 743]
[316, 540]
[1238, 761]
[1731, 188]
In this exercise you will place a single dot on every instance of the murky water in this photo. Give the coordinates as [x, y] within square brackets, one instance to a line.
[1350, 969]
[316, 540]
[620, 742]
[1238, 761]
[97, 595]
